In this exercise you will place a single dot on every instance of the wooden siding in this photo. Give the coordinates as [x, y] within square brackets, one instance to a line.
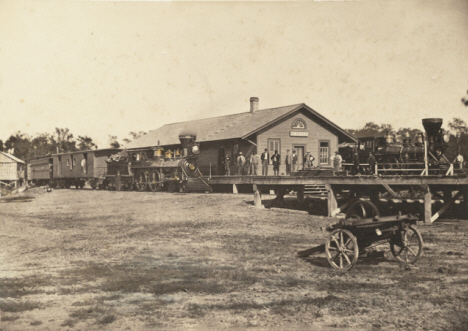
[10, 169]
[38, 169]
[316, 134]
[209, 155]
[96, 164]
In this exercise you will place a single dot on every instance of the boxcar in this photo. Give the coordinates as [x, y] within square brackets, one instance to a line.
[39, 170]
[75, 168]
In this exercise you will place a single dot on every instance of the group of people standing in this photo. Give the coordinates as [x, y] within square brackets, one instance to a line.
[255, 163]
[252, 167]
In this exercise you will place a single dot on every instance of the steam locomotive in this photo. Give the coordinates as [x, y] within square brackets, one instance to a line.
[388, 151]
[156, 169]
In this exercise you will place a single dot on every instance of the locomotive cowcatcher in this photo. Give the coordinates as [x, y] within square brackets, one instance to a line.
[156, 169]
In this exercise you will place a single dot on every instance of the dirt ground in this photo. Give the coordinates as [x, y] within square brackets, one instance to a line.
[100, 260]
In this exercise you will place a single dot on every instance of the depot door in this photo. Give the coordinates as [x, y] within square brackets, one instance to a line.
[300, 156]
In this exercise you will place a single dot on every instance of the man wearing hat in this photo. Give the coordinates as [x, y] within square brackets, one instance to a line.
[240, 164]
[308, 160]
[276, 162]
[265, 160]
[337, 159]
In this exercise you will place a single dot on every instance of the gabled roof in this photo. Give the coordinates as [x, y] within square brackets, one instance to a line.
[14, 158]
[228, 127]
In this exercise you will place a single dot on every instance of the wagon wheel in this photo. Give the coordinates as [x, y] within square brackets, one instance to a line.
[362, 209]
[140, 181]
[155, 183]
[407, 245]
[342, 249]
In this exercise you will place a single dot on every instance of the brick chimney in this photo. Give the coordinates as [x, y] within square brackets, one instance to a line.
[253, 104]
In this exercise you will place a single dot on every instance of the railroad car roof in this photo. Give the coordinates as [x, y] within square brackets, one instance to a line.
[4, 155]
[230, 127]
[91, 150]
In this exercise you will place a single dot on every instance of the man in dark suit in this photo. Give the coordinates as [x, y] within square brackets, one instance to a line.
[294, 160]
[276, 159]
[265, 159]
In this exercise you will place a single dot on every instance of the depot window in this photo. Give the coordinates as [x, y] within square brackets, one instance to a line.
[274, 145]
[324, 154]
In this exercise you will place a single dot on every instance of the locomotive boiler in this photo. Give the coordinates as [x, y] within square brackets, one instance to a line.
[157, 169]
[388, 151]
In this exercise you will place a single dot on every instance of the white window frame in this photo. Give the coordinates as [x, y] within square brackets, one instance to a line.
[276, 142]
[324, 152]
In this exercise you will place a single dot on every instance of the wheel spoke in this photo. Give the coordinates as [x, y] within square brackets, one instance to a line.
[409, 249]
[410, 235]
[332, 249]
[347, 258]
[336, 241]
[341, 261]
[347, 242]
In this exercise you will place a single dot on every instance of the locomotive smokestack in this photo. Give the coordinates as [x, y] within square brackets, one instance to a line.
[253, 104]
[432, 125]
[185, 139]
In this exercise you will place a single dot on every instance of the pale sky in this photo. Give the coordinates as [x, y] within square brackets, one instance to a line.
[101, 68]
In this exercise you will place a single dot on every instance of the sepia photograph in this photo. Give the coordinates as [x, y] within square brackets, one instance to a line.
[234, 165]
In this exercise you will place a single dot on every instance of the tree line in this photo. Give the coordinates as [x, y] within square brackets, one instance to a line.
[26, 147]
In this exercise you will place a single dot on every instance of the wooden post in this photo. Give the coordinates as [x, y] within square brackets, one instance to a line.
[300, 194]
[234, 189]
[427, 204]
[279, 200]
[426, 166]
[257, 196]
[332, 203]
[447, 195]
[445, 207]
[464, 189]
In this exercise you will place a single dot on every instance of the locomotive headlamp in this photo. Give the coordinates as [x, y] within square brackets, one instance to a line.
[446, 137]
[195, 150]
[191, 166]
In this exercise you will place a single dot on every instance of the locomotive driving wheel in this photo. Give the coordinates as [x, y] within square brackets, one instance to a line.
[342, 249]
[155, 183]
[140, 181]
[407, 244]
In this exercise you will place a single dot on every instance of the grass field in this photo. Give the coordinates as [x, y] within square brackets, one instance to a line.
[100, 260]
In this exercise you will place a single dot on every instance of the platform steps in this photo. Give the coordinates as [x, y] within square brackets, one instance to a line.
[315, 190]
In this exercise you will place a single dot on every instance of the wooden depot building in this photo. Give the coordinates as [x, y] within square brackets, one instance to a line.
[296, 127]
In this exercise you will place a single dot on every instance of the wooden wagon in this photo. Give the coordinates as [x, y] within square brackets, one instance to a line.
[362, 228]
